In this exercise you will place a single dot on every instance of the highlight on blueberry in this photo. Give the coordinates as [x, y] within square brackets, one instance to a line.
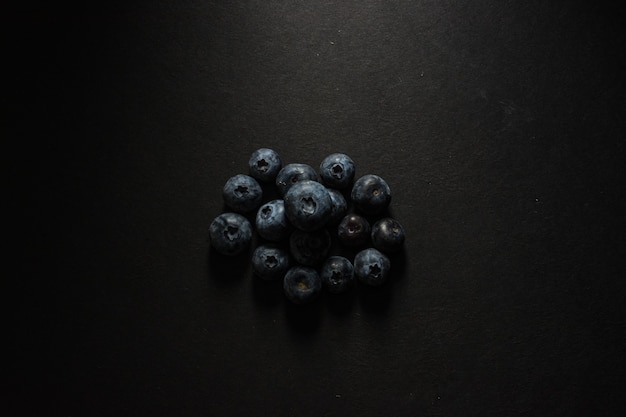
[230, 233]
[337, 171]
[270, 262]
[388, 235]
[371, 267]
[242, 193]
[354, 230]
[371, 194]
[271, 221]
[293, 173]
[308, 205]
[264, 164]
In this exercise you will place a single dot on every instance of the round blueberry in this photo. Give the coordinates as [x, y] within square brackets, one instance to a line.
[339, 206]
[308, 205]
[371, 194]
[293, 173]
[353, 230]
[371, 266]
[264, 164]
[337, 274]
[270, 262]
[230, 233]
[302, 284]
[388, 235]
[242, 193]
[271, 221]
[337, 171]
[309, 248]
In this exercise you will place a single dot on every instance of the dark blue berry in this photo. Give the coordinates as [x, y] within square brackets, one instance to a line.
[264, 164]
[388, 235]
[293, 173]
[309, 248]
[354, 230]
[230, 233]
[339, 206]
[308, 205]
[337, 171]
[271, 221]
[371, 194]
[302, 284]
[270, 262]
[242, 193]
[337, 274]
[371, 266]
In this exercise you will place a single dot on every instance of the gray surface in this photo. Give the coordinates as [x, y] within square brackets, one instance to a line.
[498, 125]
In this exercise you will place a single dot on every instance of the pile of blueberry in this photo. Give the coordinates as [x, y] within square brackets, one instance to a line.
[298, 228]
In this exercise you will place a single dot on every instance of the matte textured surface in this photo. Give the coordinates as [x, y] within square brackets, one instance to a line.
[499, 126]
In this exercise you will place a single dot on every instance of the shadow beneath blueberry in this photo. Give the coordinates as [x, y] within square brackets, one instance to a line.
[348, 252]
[340, 304]
[375, 299]
[266, 294]
[269, 192]
[226, 209]
[303, 320]
[228, 270]
[373, 218]
[398, 265]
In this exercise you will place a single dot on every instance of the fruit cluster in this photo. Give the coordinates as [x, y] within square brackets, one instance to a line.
[296, 227]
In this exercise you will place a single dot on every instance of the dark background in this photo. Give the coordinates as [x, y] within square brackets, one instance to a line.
[499, 126]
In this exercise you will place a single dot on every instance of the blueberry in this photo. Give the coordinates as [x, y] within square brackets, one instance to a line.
[308, 205]
[388, 235]
[337, 274]
[302, 284]
[337, 171]
[242, 193]
[339, 206]
[371, 266]
[353, 230]
[371, 194]
[309, 248]
[270, 262]
[230, 233]
[271, 221]
[264, 164]
[293, 173]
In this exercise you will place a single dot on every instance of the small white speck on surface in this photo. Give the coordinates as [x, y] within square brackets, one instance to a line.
[422, 74]
[536, 200]
[332, 43]
[337, 395]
